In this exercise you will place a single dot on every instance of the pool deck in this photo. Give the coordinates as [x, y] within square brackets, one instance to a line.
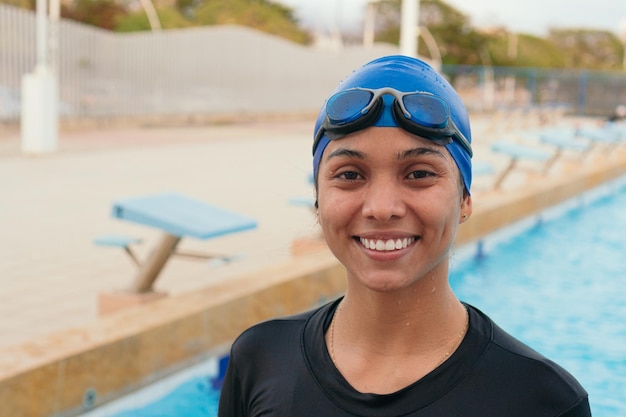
[53, 206]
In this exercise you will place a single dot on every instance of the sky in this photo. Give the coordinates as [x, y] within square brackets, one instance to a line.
[523, 16]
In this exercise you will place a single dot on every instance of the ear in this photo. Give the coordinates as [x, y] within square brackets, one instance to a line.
[466, 208]
[316, 209]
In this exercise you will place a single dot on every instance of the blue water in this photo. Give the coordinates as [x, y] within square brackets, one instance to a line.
[560, 286]
[194, 398]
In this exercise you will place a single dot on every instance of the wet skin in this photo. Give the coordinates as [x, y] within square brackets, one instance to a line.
[389, 207]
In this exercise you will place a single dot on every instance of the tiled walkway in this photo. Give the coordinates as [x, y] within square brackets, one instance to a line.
[53, 206]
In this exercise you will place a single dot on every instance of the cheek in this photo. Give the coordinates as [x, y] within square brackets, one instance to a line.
[326, 212]
[332, 210]
[441, 210]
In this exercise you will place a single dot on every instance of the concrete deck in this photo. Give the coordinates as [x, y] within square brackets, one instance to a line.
[52, 207]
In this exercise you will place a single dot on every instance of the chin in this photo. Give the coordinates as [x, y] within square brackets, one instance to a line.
[385, 281]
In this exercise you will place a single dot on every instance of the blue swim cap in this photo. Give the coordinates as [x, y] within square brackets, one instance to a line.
[405, 74]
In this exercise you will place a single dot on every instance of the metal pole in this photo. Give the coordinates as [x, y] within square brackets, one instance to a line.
[409, 27]
[369, 24]
[433, 48]
[151, 268]
[41, 33]
[153, 17]
[39, 107]
[55, 14]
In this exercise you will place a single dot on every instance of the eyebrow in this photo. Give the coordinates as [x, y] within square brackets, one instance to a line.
[345, 152]
[410, 153]
[415, 152]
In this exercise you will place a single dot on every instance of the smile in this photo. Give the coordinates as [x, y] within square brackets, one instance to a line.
[386, 245]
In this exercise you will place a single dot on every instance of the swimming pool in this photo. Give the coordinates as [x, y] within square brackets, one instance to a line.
[560, 286]
[556, 281]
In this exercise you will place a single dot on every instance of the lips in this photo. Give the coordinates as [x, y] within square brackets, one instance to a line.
[386, 245]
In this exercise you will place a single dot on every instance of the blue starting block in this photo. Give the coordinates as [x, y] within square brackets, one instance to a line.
[518, 152]
[177, 216]
[564, 139]
[123, 242]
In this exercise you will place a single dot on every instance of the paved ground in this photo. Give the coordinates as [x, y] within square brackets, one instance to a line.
[53, 206]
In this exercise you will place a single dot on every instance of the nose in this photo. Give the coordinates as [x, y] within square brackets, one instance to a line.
[384, 201]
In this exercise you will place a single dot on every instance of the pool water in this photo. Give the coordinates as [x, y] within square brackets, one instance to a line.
[559, 285]
[193, 398]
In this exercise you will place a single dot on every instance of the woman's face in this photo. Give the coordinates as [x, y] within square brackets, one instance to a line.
[389, 206]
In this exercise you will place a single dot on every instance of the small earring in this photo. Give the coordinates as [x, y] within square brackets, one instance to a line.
[464, 216]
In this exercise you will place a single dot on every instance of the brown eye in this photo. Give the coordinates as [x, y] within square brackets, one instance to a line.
[349, 175]
[416, 175]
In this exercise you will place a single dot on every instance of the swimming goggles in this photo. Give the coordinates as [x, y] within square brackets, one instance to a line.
[420, 113]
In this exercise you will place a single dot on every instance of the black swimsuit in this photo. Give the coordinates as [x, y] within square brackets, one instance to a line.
[282, 368]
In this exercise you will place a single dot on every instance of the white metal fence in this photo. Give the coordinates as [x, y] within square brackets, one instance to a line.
[209, 70]
[230, 70]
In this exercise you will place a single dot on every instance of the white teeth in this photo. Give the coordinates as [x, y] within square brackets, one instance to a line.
[386, 245]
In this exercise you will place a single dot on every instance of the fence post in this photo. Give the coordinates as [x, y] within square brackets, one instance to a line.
[39, 121]
[581, 103]
[532, 86]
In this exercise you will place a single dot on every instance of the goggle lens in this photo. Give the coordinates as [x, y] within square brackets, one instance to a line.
[347, 106]
[425, 110]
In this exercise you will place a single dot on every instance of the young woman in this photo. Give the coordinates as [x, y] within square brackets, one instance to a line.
[392, 164]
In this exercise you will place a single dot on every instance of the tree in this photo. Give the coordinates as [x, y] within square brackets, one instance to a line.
[521, 50]
[22, 4]
[170, 18]
[458, 41]
[589, 49]
[262, 15]
[100, 13]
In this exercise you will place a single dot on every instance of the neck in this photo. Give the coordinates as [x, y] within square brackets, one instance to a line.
[383, 347]
[419, 320]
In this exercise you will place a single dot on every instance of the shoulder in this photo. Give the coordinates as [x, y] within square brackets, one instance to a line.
[529, 374]
[271, 348]
[532, 361]
[272, 335]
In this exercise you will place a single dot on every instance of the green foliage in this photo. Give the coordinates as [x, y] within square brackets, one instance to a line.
[259, 14]
[588, 48]
[133, 22]
[457, 40]
[513, 50]
[438, 13]
[262, 15]
[100, 13]
[570, 48]
[137, 21]
[22, 4]
[460, 43]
